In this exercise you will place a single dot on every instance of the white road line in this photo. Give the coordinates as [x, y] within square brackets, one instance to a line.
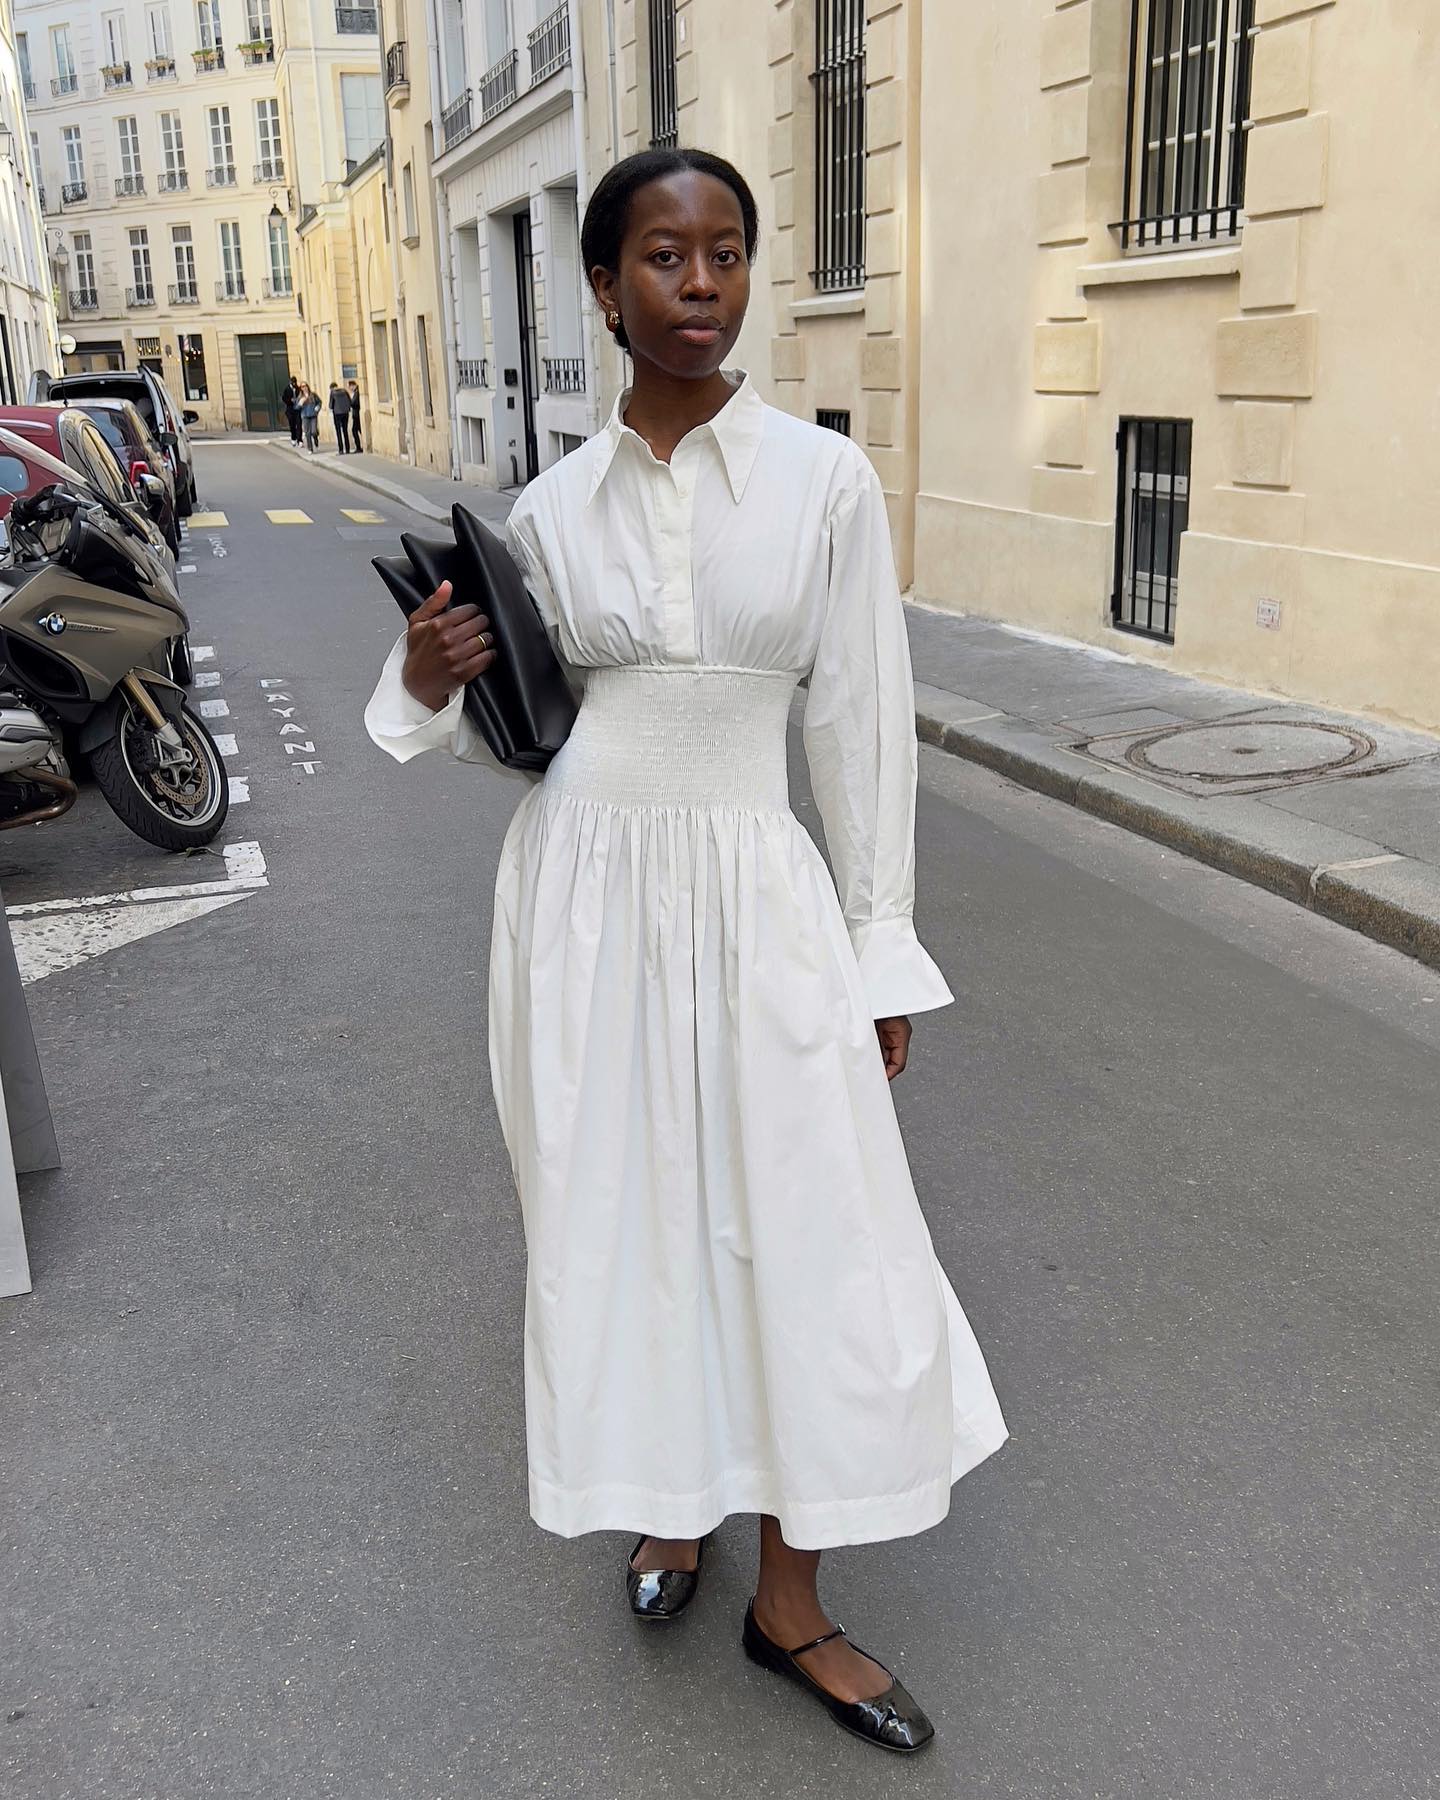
[214, 709]
[208, 678]
[202, 653]
[239, 789]
[246, 863]
[186, 569]
[225, 743]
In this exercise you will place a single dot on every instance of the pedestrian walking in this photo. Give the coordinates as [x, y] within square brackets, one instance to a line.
[733, 1303]
[339, 404]
[310, 417]
[355, 415]
[290, 400]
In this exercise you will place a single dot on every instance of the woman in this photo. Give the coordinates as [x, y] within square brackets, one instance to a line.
[732, 1300]
[354, 388]
[310, 417]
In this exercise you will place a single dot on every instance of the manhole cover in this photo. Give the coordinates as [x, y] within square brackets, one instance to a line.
[1250, 750]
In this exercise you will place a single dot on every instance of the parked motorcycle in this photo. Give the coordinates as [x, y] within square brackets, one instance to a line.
[89, 620]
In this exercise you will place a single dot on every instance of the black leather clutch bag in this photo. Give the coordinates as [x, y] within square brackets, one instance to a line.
[522, 705]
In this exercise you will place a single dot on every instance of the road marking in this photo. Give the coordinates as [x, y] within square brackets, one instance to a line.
[202, 653]
[288, 515]
[225, 743]
[214, 709]
[362, 515]
[47, 946]
[207, 677]
[207, 521]
[186, 569]
[239, 789]
[244, 869]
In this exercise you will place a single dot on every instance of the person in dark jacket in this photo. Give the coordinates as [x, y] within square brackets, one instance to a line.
[310, 417]
[290, 400]
[354, 387]
[340, 412]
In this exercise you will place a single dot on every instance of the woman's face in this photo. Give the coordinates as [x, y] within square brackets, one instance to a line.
[684, 280]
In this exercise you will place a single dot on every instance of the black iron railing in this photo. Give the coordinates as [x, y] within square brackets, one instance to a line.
[209, 60]
[231, 288]
[160, 68]
[270, 168]
[498, 85]
[257, 51]
[65, 84]
[84, 300]
[1185, 127]
[173, 181]
[455, 120]
[73, 192]
[127, 185]
[356, 19]
[277, 287]
[29, 87]
[395, 72]
[664, 98]
[116, 75]
[834, 419]
[549, 44]
[140, 296]
[839, 83]
[221, 175]
[1151, 515]
[473, 371]
[564, 374]
[184, 293]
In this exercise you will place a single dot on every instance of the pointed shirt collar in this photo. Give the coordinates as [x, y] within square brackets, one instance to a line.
[737, 429]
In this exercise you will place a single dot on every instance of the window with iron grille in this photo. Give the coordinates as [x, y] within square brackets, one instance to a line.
[664, 96]
[1185, 132]
[1151, 515]
[833, 419]
[839, 82]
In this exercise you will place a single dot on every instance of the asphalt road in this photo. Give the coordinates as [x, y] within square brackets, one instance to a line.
[261, 1436]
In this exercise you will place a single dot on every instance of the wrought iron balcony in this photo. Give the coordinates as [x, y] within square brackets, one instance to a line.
[126, 185]
[221, 176]
[257, 51]
[29, 87]
[173, 181]
[359, 20]
[184, 293]
[280, 287]
[73, 193]
[140, 296]
[564, 374]
[84, 300]
[231, 288]
[396, 75]
[116, 75]
[65, 84]
[550, 44]
[270, 169]
[474, 371]
[40, 192]
[208, 61]
[497, 86]
[160, 68]
[455, 120]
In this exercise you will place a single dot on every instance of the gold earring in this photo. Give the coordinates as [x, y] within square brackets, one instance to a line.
[612, 319]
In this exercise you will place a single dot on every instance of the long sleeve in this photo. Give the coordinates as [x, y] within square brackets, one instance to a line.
[859, 734]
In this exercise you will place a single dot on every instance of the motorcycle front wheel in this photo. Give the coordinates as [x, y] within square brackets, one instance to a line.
[177, 802]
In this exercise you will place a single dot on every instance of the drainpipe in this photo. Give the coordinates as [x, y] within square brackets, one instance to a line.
[582, 195]
[449, 338]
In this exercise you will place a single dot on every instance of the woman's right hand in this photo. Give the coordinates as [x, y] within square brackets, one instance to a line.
[444, 650]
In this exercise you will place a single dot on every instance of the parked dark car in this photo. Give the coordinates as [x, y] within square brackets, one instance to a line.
[148, 393]
[125, 431]
[66, 433]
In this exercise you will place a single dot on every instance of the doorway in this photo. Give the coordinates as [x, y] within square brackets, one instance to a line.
[529, 346]
[264, 372]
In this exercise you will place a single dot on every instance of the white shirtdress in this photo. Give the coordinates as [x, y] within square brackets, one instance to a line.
[732, 1300]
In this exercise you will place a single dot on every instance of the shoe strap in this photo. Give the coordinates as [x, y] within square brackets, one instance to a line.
[815, 1643]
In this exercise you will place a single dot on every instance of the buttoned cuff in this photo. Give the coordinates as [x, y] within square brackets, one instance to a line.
[402, 725]
[899, 974]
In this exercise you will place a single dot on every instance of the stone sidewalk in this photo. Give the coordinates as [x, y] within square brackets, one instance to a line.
[1338, 813]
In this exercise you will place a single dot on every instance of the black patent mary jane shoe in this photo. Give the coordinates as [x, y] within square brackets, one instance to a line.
[660, 1594]
[893, 1720]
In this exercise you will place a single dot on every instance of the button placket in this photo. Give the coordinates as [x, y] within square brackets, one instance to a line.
[679, 510]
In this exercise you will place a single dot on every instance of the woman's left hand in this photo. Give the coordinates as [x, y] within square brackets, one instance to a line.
[894, 1036]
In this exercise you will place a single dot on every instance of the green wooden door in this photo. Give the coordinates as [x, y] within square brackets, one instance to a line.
[264, 371]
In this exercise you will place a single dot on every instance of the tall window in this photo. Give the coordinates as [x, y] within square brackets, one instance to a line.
[497, 30]
[84, 263]
[207, 23]
[422, 355]
[112, 31]
[1185, 132]
[74, 155]
[407, 196]
[192, 365]
[172, 151]
[257, 21]
[140, 263]
[22, 51]
[222, 147]
[131, 181]
[66, 80]
[271, 166]
[839, 82]
[280, 257]
[1151, 519]
[232, 270]
[380, 361]
[182, 246]
[664, 115]
[362, 105]
[157, 28]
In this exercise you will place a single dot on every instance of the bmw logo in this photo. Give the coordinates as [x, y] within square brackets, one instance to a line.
[54, 623]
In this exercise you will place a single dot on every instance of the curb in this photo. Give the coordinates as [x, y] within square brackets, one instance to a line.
[333, 464]
[1393, 899]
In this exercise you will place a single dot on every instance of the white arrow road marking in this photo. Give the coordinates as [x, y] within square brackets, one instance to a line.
[244, 869]
[47, 945]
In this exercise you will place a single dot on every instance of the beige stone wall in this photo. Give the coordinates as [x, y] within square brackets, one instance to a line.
[1302, 351]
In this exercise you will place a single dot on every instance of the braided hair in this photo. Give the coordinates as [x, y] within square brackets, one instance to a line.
[608, 213]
